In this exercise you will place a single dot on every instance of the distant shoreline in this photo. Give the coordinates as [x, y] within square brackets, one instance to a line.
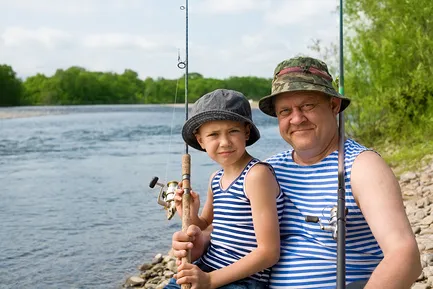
[20, 114]
[16, 113]
[254, 104]
[13, 113]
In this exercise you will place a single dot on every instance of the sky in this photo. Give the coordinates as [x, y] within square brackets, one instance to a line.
[225, 37]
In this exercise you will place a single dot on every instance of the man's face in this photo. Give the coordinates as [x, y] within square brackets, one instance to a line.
[307, 119]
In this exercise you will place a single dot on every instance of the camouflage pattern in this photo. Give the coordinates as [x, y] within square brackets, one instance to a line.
[300, 81]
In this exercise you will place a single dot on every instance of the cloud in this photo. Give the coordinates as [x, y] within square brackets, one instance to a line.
[72, 7]
[53, 6]
[296, 12]
[231, 6]
[49, 38]
[227, 37]
[118, 41]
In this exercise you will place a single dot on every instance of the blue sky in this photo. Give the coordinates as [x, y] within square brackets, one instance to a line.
[226, 37]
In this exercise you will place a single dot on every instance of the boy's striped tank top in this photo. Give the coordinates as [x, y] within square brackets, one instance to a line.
[233, 234]
[308, 254]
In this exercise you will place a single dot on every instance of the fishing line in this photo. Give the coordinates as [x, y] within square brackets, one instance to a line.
[171, 127]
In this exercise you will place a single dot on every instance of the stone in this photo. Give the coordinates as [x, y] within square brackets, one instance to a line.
[416, 230]
[134, 281]
[144, 267]
[406, 177]
[420, 286]
[157, 259]
[428, 259]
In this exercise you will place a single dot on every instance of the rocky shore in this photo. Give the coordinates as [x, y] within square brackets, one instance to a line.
[417, 190]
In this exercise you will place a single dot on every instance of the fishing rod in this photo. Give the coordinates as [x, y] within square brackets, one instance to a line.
[186, 158]
[337, 219]
[341, 201]
[168, 191]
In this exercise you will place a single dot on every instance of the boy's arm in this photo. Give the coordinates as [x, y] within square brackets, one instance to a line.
[262, 189]
[206, 217]
[378, 195]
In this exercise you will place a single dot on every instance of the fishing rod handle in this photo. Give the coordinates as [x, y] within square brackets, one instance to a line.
[186, 200]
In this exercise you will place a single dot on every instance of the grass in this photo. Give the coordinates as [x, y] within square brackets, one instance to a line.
[409, 157]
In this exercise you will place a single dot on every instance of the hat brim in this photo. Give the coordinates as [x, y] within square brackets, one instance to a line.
[266, 104]
[191, 125]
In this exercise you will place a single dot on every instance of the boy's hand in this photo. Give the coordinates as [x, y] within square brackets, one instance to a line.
[194, 205]
[193, 240]
[189, 273]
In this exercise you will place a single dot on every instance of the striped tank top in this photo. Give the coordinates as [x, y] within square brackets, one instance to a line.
[308, 254]
[233, 234]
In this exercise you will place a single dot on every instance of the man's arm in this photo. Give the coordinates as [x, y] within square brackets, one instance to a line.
[378, 195]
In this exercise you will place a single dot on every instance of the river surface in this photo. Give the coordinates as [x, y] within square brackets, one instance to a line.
[76, 210]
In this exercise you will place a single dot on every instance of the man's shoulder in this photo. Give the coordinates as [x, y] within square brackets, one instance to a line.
[352, 147]
[280, 157]
[355, 151]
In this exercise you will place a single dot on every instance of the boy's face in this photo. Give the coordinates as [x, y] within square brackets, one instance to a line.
[223, 140]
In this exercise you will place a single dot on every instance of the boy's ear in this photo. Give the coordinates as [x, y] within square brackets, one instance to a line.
[247, 131]
[199, 140]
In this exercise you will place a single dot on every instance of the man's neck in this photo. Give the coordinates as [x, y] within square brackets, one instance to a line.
[314, 156]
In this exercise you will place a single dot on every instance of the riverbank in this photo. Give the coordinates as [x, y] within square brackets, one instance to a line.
[18, 112]
[21, 114]
[254, 104]
[417, 192]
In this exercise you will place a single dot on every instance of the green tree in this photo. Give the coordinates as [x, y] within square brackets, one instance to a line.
[11, 88]
[389, 69]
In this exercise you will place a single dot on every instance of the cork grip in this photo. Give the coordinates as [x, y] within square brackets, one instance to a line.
[186, 200]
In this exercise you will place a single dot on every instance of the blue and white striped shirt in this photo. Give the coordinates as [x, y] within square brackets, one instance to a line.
[233, 234]
[308, 254]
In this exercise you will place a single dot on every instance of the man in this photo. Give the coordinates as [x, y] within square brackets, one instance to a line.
[380, 245]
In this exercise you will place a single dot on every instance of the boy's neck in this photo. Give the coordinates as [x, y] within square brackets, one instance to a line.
[235, 169]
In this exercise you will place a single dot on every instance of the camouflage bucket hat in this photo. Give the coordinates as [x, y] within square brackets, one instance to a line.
[300, 74]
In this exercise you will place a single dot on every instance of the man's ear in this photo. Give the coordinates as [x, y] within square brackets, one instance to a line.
[335, 104]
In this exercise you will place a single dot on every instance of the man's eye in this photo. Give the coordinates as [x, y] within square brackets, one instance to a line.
[234, 131]
[284, 112]
[308, 106]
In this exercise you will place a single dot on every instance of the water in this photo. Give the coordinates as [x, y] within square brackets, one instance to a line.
[75, 207]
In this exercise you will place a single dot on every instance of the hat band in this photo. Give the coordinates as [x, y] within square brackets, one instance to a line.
[312, 70]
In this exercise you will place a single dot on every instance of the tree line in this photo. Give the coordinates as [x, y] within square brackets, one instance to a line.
[76, 85]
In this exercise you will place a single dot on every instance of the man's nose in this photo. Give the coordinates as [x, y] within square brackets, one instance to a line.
[297, 117]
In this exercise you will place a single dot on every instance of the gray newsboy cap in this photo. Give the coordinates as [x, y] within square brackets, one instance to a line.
[220, 104]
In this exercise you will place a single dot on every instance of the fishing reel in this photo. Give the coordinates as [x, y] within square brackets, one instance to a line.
[166, 195]
[332, 227]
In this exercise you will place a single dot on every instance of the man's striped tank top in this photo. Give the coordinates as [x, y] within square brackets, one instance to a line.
[308, 254]
[233, 234]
